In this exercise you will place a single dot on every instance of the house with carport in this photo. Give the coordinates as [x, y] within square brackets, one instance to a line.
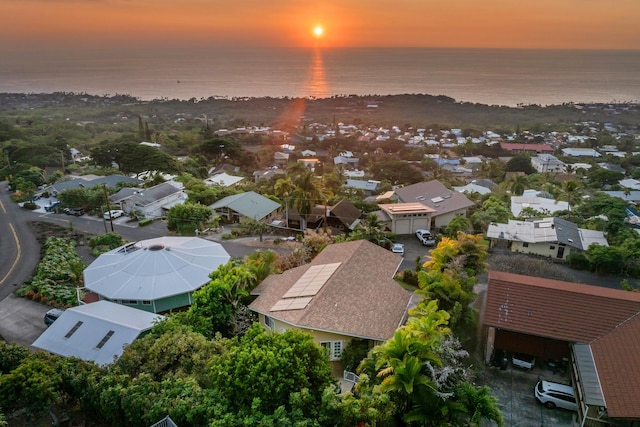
[154, 275]
[592, 331]
[347, 292]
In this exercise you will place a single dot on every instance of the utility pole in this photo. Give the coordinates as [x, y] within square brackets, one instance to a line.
[106, 198]
[325, 216]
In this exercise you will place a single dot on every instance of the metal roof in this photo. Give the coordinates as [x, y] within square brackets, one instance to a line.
[588, 373]
[249, 204]
[155, 268]
[96, 332]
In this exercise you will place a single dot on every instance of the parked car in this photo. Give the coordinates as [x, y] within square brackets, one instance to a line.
[425, 237]
[523, 361]
[52, 315]
[52, 206]
[554, 395]
[114, 213]
[74, 211]
[398, 248]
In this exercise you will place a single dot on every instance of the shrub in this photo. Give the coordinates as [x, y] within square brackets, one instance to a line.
[227, 236]
[145, 221]
[578, 261]
[410, 277]
[30, 205]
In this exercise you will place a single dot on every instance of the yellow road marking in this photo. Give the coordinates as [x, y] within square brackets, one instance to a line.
[15, 262]
[2, 206]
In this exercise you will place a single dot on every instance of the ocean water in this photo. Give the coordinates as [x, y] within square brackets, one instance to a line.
[489, 76]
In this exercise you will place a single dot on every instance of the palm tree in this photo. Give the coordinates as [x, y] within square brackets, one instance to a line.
[477, 404]
[284, 188]
[370, 229]
[518, 184]
[307, 192]
[262, 264]
[570, 190]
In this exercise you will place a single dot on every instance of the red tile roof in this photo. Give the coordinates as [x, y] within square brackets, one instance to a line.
[617, 357]
[555, 309]
[608, 319]
[538, 148]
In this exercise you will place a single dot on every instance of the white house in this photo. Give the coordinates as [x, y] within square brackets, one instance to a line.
[547, 163]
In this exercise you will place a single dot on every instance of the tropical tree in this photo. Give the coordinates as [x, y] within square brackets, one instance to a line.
[215, 304]
[284, 188]
[570, 190]
[371, 229]
[520, 164]
[252, 227]
[262, 264]
[518, 184]
[307, 192]
[456, 225]
[273, 367]
[188, 217]
[420, 368]
[492, 210]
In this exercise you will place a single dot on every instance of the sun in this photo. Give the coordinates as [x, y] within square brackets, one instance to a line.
[318, 31]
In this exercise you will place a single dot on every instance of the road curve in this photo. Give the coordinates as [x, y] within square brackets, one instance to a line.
[19, 249]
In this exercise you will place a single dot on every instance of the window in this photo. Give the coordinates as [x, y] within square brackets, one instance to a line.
[268, 321]
[146, 302]
[74, 329]
[525, 245]
[129, 301]
[552, 247]
[333, 349]
[104, 340]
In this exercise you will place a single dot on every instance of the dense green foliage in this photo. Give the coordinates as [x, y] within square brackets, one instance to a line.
[57, 275]
[188, 217]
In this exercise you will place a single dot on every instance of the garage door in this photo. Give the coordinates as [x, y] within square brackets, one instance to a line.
[403, 226]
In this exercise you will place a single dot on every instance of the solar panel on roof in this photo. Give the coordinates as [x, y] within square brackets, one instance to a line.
[312, 280]
[291, 304]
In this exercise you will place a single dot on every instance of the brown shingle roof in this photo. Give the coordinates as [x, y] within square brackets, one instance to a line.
[617, 357]
[554, 309]
[346, 212]
[434, 195]
[360, 299]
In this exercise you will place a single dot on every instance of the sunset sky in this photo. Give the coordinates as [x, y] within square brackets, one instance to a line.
[581, 24]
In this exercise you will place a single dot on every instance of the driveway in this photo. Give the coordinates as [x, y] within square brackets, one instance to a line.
[21, 320]
[514, 389]
[412, 250]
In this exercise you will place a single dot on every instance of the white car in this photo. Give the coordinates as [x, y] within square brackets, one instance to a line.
[398, 248]
[554, 395]
[523, 361]
[112, 214]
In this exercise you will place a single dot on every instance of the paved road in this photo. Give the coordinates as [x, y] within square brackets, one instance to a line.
[19, 249]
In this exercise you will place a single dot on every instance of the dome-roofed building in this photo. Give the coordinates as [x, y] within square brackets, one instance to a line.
[155, 275]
